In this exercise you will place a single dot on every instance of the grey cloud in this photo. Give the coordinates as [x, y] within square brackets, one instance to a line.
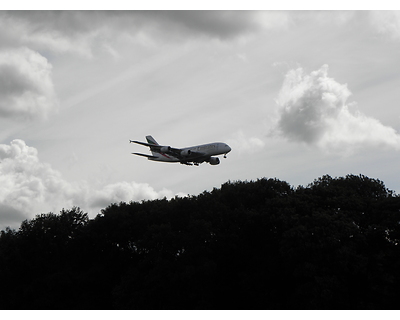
[313, 109]
[218, 24]
[26, 87]
[10, 217]
[221, 24]
[68, 22]
[13, 82]
[91, 33]
[77, 31]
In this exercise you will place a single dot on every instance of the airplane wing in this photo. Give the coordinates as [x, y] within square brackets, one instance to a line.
[181, 154]
[145, 155]
[144, 143]
[158, 148]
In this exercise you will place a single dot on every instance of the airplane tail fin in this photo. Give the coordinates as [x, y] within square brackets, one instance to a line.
[151, 140]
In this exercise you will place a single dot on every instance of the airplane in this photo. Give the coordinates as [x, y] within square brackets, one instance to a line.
[189, 156]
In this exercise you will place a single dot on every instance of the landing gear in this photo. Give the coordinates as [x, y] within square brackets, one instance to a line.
[225, 156]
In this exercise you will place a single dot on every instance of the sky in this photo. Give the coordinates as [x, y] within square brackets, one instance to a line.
[296, 95]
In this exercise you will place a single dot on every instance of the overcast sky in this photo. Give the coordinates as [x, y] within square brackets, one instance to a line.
[295, 94]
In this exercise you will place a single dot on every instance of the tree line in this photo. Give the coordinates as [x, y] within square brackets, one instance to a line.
[263, 244]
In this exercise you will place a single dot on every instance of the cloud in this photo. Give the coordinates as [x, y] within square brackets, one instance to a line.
[29, 187]
[215, 24]
[243, 144]
[85, 32]
[320, 18]
[126, 191]
[56, 31]
[386, 23]
[26, 183]
[26, 87]
[10, 217]
[313, 109]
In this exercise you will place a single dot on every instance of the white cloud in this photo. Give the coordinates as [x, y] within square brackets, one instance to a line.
[126, 191]
[313, 109]
[26, 184]
[243, 144]
[386, 23]
[273, 19]
[29, 187]
[26, 87]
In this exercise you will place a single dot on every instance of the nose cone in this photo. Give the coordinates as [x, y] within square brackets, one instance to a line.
[227, 148]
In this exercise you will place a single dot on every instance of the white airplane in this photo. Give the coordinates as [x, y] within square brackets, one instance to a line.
[189, 156]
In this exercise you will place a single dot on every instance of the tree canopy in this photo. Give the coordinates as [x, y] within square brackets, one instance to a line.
[264, 244]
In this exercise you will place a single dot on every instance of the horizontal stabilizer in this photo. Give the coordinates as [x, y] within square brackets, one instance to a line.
[144, 143]
[145, 155]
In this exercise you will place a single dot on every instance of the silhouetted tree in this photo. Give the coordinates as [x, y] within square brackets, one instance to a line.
[333, 244]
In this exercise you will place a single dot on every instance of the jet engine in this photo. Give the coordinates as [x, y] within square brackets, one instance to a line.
[165, 149]
[186, 153]
[214, 161]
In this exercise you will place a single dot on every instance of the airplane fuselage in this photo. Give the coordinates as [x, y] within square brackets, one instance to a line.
[208, 150]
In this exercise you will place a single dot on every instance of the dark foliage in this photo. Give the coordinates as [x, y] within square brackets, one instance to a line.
[249, 245]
